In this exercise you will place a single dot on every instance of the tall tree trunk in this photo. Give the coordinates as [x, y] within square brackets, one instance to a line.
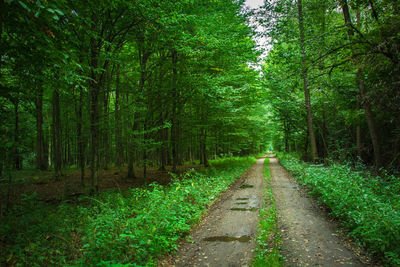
[94, 110]
[145, 149]
[358, 131]
[119, 153]
[370, 121]
[56, 133]
[174, 131]
[40, 160]
[131, 153]
[105, 129]
[314, 151]
[16, 151]
[203, 147]
[79, 138]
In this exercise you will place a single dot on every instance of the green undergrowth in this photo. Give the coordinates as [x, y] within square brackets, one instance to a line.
[134, 227]
[268, 236]
[368, 206]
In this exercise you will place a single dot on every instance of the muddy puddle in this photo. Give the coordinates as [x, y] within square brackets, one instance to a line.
[245, 186]
[224, 238]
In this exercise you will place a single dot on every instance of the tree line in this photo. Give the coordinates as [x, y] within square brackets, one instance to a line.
[94, 84]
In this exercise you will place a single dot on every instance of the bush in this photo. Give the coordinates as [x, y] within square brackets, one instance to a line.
[369, 207]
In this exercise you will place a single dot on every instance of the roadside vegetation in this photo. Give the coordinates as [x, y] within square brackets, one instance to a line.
[367, 206]
[268, 236]
[133, 227]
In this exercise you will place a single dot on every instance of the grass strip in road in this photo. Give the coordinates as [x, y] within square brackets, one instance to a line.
[268, 236]
[130, 228]
[367, 206]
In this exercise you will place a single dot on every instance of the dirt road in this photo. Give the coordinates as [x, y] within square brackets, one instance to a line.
[308, 238]
[225, 237]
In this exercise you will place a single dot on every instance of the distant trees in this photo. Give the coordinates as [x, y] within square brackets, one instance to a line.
[144, 83]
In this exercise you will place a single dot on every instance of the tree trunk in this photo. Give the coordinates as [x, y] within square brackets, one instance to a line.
[119, 153]
[358, 132]
[370, 121]
[16, 152]
[314, 151]
[56, 133]
[174, 131]
[79, 138]
[131, 153]
[40, 160]
[94, 112]
[105, 129]
[203, 144]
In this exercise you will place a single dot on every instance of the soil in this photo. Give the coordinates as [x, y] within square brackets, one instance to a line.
[309, 238]
[225, 237]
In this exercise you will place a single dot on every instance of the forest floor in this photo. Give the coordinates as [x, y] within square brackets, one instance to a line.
[226, 235]
[69, 185]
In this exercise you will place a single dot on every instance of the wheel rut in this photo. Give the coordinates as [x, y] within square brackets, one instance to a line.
[225, 237]
[309, 239]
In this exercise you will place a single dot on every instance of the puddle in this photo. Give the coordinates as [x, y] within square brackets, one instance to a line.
[244, 186]
[243, 209]
[241, 203]
[242, 198]
[224, 238]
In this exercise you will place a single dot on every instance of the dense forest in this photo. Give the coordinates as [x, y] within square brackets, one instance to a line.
[116, 115]
[148, 83]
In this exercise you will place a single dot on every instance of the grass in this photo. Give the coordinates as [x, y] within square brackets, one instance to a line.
[268, 236]
[368, 206]
[133, 227]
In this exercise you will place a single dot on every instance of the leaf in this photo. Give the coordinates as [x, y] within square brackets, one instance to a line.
[24, 6]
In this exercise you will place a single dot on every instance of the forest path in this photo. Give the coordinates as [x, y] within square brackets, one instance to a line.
[309, 239]
[226, 235]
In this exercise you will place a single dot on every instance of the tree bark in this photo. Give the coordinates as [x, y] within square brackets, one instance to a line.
[94, 105]
[40, 160]
[370, 120]
[80, 142]
[56, 133]
[131, 153]
[16, 152]
[174, 131]
[119, 153]
[304, 72]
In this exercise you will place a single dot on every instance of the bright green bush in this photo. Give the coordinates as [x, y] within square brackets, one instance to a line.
[133, 227]
[368, 206]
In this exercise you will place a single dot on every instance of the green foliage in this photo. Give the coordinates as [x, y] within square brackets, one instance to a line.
[368, 206]
[133, 227]
[268, 236]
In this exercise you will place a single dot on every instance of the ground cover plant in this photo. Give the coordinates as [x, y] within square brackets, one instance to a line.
[268, 236]
[133, 227]
[368, 206]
